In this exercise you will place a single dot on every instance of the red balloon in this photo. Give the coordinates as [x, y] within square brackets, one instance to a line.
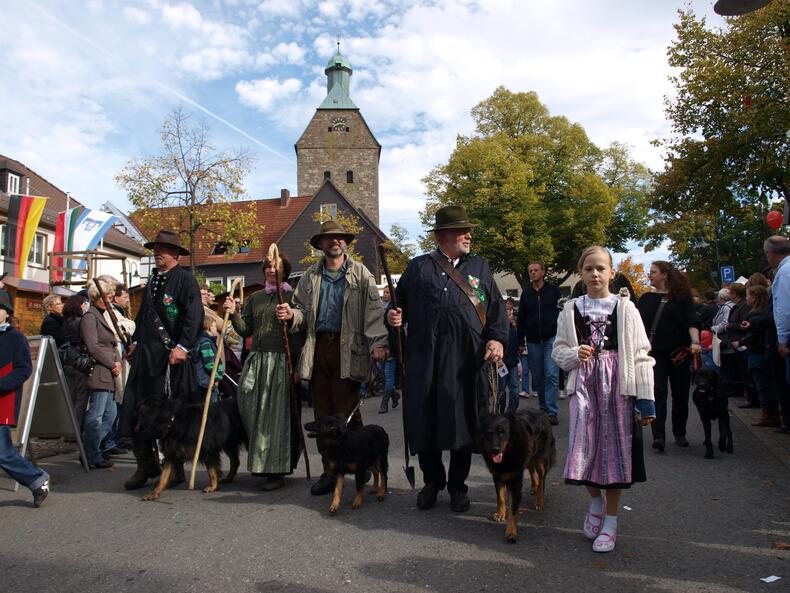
[774, 219]
[706, 339]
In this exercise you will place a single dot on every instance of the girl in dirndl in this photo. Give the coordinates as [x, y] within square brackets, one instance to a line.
[602, 345]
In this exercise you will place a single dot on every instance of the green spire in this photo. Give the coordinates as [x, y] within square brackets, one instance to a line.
[338, 74]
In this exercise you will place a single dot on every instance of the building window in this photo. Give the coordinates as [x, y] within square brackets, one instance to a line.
[328, 212]
[38, 250]
[12, 184]
[349, 177]
[327, 175]
[216, 285]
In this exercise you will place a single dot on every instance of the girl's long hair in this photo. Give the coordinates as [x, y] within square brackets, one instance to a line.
[760, 295]
[678, 286]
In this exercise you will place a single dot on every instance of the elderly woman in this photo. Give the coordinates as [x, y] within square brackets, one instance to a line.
[52, 325]
[264, 388]
[100, 341]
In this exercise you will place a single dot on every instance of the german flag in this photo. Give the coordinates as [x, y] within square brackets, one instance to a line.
[24, 213]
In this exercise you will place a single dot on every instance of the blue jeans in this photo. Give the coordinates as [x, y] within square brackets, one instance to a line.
[761, 377]
[524, 372]
[98, 423]
[17, 466]
[389, 375]
[508, 383]
[545, 374]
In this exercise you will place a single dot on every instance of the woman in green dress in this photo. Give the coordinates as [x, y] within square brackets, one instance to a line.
[264, 394]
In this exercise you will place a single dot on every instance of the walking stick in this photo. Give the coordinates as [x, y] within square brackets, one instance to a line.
[407, 469]
[207, 400]
[122, 335]
[296, 406]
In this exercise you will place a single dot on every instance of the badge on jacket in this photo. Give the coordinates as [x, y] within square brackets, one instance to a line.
[474, 282]
[171, 309]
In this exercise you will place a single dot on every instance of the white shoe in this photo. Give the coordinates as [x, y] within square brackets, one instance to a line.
[604, 542]
[534, 394]
[592, 525]
[561, 394]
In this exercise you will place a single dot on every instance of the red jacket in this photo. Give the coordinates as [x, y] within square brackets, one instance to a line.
[15, 368]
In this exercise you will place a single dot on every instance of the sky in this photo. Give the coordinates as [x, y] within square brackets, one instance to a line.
[87, 84]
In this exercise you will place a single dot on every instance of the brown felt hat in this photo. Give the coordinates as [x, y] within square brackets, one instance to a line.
[331, 229]
[452, 217]
[168, 238]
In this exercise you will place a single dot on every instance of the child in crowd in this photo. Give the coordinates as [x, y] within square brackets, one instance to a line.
[203, 355]
[602, 345]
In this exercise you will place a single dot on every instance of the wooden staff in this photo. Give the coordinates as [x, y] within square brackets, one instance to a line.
[407, 469]
[121, 334]
[296, 406]
[207, 400]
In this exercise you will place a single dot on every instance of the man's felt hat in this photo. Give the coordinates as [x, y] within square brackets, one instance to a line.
[170, 239]
[331, 229]
[5, 302]
[452, 217]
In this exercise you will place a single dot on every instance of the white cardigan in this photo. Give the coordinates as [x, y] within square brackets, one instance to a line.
[636, 366]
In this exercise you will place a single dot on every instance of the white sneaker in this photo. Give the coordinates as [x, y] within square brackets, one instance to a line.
[604, 542]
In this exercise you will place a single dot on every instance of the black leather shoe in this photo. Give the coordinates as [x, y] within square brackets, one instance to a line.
[40, 494]
[273, 483]
[553, 420]
[140, 477]
[748, 406]
[324, 485]
[116, 451]
[459, 502]
[681, 441]
[101, 464]
[659, 444]
[427, 497]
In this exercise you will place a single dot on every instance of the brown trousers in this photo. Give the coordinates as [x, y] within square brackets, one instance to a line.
[330, 394]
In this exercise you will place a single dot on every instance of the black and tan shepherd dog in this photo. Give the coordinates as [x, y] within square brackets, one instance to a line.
[352, 451]
[176, 425]
[712, 405]
[511, 443]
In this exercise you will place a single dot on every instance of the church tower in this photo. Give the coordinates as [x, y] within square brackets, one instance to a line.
[338, 145]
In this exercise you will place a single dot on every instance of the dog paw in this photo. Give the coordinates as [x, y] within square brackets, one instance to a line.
[511, 536]
[209, 489]
[539, 506]
[357, 503]
[498, 517]
[151, 496]
[333, 508]
[380, 498]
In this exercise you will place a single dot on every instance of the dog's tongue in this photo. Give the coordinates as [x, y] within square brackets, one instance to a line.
[498, 457]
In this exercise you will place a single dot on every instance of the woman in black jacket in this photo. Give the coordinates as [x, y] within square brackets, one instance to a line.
[52, 325]
[756, 325]
[73, 309]
[673, 328]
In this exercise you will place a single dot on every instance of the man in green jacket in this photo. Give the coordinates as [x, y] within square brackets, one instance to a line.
[337, 303]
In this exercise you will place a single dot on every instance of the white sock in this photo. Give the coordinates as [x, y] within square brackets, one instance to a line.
[609, 524]
[596, 505]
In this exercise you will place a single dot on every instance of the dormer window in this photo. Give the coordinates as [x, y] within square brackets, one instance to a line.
[327, 175]
[349, 177]
[12, 184]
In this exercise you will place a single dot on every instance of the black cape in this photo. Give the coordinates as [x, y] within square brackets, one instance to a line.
[446, 383]
[179, 307]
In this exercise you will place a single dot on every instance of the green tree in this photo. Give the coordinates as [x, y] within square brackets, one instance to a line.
[190, 187]
[537, 187]
[399, 249]
[727, 160]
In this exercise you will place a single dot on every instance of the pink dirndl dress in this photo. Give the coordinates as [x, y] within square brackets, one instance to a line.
[605, 441]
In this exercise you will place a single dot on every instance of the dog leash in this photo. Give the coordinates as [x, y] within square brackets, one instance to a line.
[493, 383]
[364, 397]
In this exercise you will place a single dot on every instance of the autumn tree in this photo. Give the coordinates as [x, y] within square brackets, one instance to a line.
[190, 187]
[399, 249]
[635, 272]
[538, 187]
[350, 223]
[727, 160]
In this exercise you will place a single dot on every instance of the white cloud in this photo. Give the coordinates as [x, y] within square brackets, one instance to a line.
[181, 16]
[264, 93]
[282, 8]
[213, 62]
[136, 15]
[330, 9]
[291, 53]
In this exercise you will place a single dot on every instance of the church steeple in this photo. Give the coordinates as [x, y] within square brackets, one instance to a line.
[338, 76]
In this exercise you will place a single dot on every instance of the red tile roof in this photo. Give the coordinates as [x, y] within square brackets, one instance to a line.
[272, 217]
[57, 203]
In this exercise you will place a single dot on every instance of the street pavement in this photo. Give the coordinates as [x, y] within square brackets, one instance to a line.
[696, 526]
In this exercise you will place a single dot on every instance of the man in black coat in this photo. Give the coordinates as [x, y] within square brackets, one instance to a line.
[452, 331]
[168, 325]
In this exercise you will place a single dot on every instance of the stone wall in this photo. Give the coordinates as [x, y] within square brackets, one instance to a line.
[349, 147]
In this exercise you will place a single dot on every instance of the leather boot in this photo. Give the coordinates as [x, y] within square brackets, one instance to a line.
[768, 419]
[384, 407]
[395, 396]
[147, 468]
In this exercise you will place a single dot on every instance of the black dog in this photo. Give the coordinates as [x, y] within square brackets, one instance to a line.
[355, 452]
[176, 426]
[511, 443]
[712, 405]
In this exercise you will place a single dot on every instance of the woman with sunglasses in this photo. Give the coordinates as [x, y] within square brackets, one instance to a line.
[672, 326]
